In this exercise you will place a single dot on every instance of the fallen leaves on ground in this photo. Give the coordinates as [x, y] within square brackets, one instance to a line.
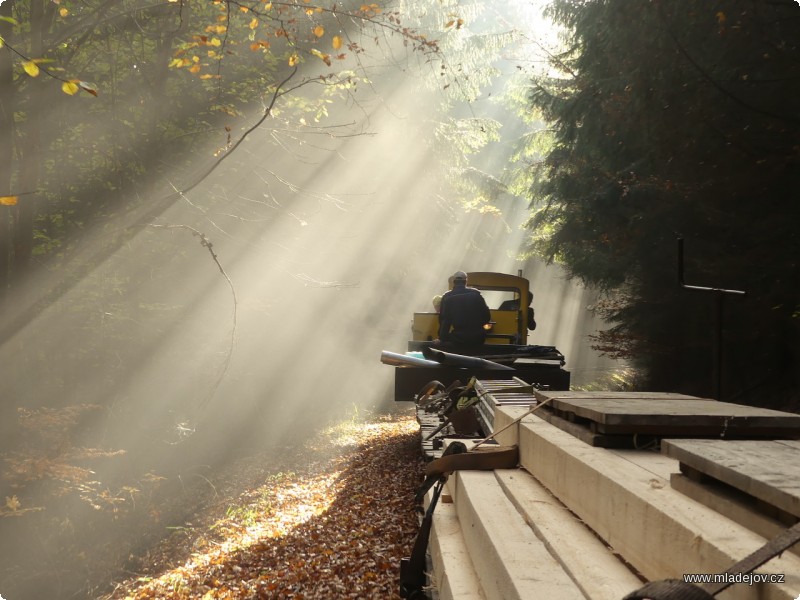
[334, 527]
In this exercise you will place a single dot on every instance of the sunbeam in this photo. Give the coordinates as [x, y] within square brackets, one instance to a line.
[202, 325]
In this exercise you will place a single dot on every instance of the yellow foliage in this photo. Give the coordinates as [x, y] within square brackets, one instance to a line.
[319, 31]
[336, 42]
[294, 59]
[63, 12]
[254, 23]
[70, 87]
[323, 57]
[8, 200]
[31, 68]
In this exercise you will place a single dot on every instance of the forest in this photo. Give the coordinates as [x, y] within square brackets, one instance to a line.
[683, 127]
[215, 213]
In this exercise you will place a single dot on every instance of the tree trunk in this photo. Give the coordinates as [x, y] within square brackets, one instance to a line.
[30, 152]
[6, 146]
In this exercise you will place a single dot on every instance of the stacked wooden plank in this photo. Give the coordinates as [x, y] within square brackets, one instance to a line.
[755, 483]
[588, 516]
[638, 419]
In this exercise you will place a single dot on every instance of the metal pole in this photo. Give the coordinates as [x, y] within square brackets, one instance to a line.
[719, 297]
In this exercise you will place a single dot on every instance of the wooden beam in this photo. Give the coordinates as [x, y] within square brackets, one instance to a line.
[590, 564]
[767, 470]
[453, 573]
[510, 561]
[658, 530]
[727, 502]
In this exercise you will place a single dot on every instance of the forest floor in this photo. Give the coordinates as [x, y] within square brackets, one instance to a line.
[331, 519]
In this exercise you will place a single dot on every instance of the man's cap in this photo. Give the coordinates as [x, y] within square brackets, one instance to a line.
[459, 275]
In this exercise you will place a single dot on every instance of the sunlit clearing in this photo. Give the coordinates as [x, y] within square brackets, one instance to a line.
[255, 548]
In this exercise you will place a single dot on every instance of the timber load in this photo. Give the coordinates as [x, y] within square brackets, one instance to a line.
[616, 495]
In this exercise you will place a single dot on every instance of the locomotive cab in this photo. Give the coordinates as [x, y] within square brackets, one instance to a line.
[509, 326]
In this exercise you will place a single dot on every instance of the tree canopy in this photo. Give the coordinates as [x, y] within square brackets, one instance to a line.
[678, 120]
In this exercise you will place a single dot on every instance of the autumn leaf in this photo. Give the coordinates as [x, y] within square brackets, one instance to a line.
[195, 69]
[63, 12]
[336, 42]
[323, 57]
[293, 60]
[88, 87]
[31, 68]
[8, 201]
[254, 23]
[2, 42]
[319, 31]
[12, 503]
[70, 87]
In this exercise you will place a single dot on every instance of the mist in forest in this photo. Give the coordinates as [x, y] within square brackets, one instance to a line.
[320, 256]
[252, 311]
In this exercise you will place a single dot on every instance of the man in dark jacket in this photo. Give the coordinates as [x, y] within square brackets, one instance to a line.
[463, 314]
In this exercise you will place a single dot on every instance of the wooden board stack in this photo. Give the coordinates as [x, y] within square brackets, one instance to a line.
[699, 498]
